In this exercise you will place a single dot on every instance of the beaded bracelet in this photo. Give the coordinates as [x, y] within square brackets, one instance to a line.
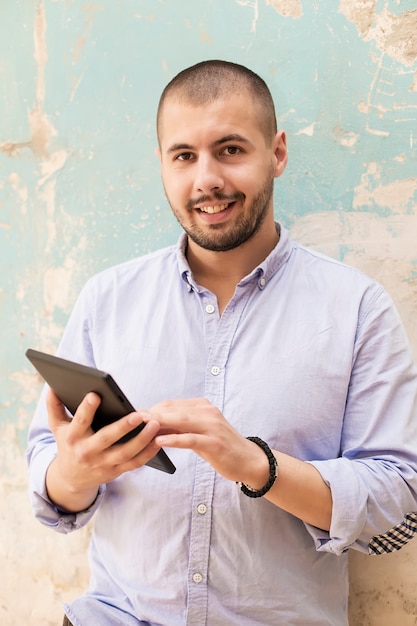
[273, 471]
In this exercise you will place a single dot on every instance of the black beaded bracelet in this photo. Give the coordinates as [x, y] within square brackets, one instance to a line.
[273, 471]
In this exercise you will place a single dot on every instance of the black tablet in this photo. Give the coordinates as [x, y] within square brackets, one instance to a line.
[71, 382]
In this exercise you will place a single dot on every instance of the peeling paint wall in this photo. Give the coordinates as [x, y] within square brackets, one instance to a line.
[80, 190]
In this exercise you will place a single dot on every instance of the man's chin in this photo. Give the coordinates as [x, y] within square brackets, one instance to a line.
[220, 242]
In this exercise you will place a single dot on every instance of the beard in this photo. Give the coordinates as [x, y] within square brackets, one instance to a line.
[222, 237]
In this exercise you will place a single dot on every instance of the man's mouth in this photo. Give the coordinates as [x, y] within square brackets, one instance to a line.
[217, 208]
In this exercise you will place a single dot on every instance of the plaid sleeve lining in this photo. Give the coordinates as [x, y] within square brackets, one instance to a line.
[395, 538]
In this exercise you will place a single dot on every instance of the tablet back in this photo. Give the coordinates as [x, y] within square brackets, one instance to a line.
[71, 382]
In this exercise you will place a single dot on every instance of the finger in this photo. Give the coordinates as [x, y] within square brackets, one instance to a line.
[57, 414]
[198, 416]
[134, 452]
[171, 416]
[184, 402]
[191, 441]
[84, 415]
[142, 457]
[139, 442]
[112, 433]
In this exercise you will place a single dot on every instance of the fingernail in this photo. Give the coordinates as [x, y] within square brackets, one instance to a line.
[134, 419]
[92, 398]
[145, 415]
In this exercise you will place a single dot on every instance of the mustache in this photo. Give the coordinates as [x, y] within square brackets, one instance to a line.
[220, 197]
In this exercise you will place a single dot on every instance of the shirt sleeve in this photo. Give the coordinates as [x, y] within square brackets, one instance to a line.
[41, 448]
[374, 480]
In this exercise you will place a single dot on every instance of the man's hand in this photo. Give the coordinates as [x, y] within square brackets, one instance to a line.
[85, 459]
[198, 425]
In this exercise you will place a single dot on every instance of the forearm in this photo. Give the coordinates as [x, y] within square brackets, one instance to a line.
[63, 495]
[300, 490]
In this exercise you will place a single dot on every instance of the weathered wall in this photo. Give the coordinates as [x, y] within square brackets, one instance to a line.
[80, 190]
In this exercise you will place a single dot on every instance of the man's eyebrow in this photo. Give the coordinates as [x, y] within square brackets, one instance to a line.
[219, 142]
[180, 146]
[228, 138]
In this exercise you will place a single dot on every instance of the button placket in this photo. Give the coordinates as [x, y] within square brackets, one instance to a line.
[199, 544]
[219, 334]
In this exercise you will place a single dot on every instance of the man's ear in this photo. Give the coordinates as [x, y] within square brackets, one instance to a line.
[158, 153]
[280, 153]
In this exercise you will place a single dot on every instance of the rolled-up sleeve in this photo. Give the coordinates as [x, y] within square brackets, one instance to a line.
[40, 454]
[374, 481]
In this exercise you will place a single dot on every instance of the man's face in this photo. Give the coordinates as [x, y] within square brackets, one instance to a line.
[218, 169]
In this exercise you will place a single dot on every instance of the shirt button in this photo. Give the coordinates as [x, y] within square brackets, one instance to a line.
[197, 578]
[210, 308]
[202, 509]
[215, 370]
[262, 283]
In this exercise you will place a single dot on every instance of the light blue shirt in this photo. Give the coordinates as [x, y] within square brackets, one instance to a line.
[309, 355]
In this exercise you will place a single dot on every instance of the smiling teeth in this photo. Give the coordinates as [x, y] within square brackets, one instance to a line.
[214, 209]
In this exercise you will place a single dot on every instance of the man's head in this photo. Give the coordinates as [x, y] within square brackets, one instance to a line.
[208, 81]
[220, 152]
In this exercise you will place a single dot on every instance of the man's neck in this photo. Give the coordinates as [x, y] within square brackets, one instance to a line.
[220, 272]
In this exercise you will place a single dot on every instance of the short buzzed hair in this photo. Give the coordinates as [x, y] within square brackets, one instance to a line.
[208, 81]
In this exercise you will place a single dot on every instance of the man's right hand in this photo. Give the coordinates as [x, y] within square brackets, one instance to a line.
[87, 459]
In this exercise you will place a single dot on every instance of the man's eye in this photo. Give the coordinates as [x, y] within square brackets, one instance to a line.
[184, 156]
[231, 150]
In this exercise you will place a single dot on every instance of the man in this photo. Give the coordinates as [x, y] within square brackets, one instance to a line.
[236, 332]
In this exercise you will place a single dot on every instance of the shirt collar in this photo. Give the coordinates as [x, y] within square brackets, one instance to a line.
[262, 273]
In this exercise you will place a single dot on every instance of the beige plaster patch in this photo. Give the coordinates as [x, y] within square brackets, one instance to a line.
[40, 127]
[21, 190]
[56, 292]
[397, 35]
[307, 130]
[44, 569]
[361, 13]
[287, 8]
[394, 35]
[376, 597]
[398, 195]
[344, 137]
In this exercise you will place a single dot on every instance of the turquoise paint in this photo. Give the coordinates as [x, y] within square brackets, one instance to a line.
[106, 66]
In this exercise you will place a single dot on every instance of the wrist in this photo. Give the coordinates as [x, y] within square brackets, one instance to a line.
[64, 494]
[267, 476]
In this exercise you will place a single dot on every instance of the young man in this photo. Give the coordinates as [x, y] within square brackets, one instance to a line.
[236, 332]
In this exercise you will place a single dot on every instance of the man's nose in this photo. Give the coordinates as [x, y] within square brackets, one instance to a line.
[209, 175]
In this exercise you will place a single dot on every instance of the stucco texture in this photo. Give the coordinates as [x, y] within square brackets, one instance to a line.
[80, 190]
